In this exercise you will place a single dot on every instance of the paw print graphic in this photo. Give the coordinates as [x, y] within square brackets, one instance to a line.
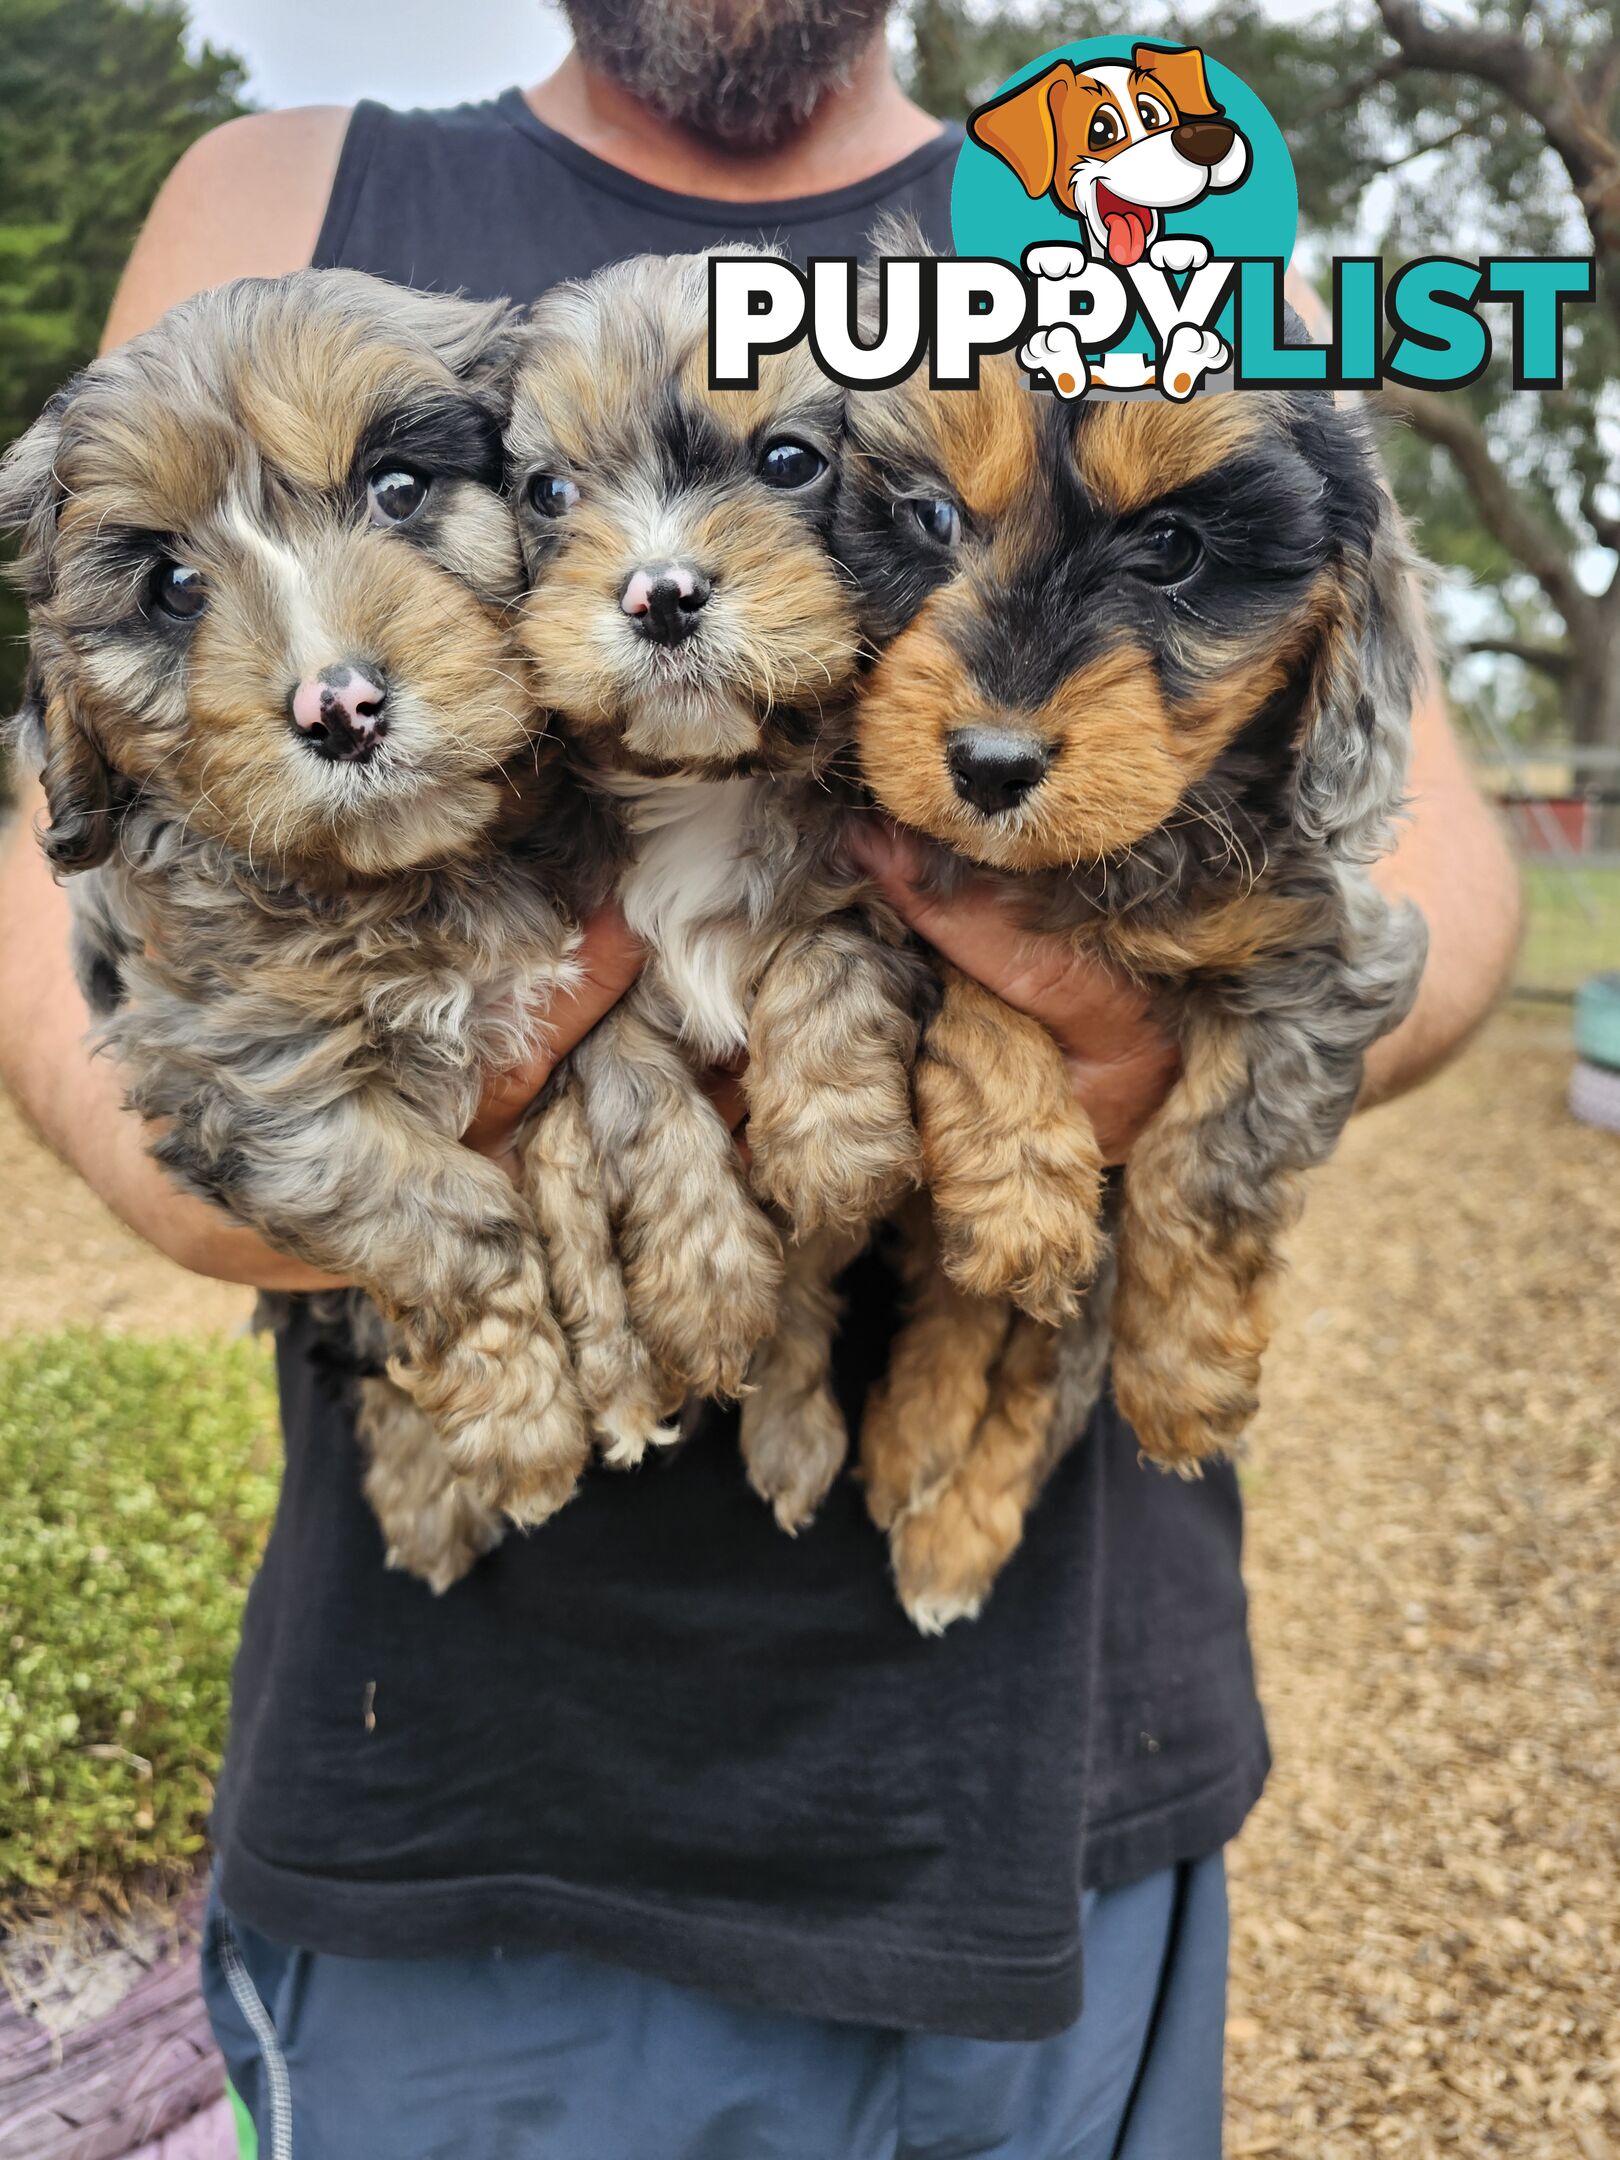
[1056, 354]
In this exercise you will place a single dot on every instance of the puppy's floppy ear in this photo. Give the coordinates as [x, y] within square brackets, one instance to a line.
[1180, 71]
[1021, 127]
[1358, 705]
[78, 782]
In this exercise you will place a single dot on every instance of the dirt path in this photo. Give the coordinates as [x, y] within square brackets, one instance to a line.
[1427, 1906]
[64, 1261]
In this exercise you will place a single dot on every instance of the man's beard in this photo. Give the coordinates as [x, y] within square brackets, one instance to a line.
[746, 72]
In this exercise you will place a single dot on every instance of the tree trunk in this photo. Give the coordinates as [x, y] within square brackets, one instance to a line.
[1592, 689]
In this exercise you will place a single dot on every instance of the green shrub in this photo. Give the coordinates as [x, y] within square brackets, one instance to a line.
[135, 1492]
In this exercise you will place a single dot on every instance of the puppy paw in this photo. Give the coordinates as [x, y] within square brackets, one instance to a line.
[862, 1158]
[629, 1406]
[434, 1525]
[626, 1430]
[1055, 259]
[503, 1398]
[947, 1552]
[1190, 355]
[445, 1540]
[1039, 1244]
[1056, 354]
[1178, 252]
[1184, 1414]
[703, 1312]
[794, 1442]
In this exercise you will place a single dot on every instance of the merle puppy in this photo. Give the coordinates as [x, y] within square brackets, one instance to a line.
[697, 641]
[324, 866]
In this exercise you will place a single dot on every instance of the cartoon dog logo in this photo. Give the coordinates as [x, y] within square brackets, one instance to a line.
[1116, 146]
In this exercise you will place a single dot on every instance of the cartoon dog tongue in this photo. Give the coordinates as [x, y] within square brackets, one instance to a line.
[1127, 225]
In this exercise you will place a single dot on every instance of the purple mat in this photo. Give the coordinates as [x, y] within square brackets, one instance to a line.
[209, 2136]
[105, 2052]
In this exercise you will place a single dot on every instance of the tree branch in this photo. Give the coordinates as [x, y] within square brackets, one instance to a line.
[1544, 551]
[1600, 78]
[1532, 79]
[1422, 149]
[1553, 660]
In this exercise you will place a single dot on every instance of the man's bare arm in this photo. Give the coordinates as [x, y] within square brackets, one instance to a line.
[1453, 859]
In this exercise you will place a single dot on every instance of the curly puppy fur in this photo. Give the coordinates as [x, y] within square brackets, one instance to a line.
[1150, 668]
[689, 628]
[305, 947]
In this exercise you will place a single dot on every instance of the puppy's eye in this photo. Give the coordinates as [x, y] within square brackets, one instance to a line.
[791, 465]
[396, 494]
[179, 591]
[552, 495]
[1168, 552]
[1152, 113]
[939, 518]
[1104, 130]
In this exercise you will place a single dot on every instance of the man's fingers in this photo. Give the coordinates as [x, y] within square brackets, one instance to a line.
[1122, 1061]
[611, 958]
[976, 931]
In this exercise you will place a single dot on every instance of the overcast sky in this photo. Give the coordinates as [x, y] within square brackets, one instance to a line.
[406, 52]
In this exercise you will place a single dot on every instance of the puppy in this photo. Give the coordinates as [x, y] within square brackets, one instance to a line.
[1149, 668]
[323, 867]
[689, 628]
[1116, 146]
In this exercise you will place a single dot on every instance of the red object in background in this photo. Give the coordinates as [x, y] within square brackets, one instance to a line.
[1552, 824]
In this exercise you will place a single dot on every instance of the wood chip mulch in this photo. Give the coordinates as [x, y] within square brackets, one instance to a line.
[1427, 1904]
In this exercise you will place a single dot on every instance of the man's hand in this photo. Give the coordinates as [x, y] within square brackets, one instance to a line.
[1122, 1063]
[611, 959]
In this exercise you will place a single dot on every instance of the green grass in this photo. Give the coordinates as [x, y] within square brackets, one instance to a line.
[1563, 944]
[135, 1491]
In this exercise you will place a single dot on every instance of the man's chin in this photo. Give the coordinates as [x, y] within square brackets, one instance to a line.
[740, 74]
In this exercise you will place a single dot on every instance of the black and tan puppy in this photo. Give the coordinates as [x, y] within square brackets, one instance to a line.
[697, 642]
[1149, 668]
[321, 875]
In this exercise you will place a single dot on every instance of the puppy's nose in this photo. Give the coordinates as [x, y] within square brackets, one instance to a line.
[664, 600]
[994, 769]
[342, 713]
[1204, 142]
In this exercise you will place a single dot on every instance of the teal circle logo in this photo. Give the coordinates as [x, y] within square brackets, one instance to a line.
[1120, 146]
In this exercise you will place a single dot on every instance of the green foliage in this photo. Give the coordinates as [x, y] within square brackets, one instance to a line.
[1571, 924]
[98, 98]
[135, 1494]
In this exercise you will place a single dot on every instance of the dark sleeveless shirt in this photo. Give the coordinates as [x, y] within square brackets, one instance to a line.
[658, 1731]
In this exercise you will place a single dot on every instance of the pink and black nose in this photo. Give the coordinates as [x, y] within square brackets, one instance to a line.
[995, 768]
[342, 713]
[664, 600]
